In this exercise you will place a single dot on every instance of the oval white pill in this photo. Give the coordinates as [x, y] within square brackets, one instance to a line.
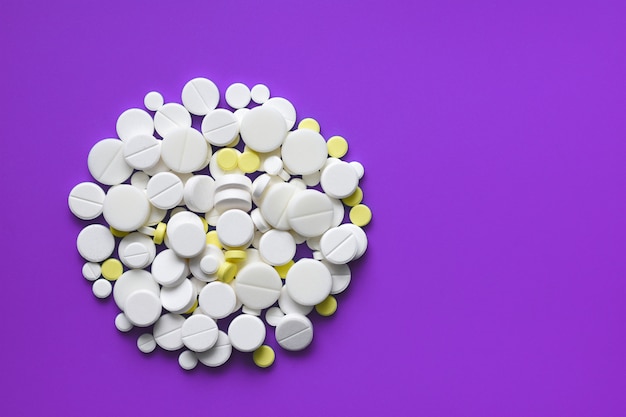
[131, 281]
[106, 162]
[199, 333]
[126, 208]
[218, 354]
[187, 360]
[263, 129]
[169, 269]
[169, 117]
[310, 213]
[167, 331]
[258, 285]
[235, 228]
[146, 343]
[91, 271]
[86, 200]
[338, 246]
[122, 323]
[134, 122]
[142, 151]
[184, 150]
[220, 127]
[286, 109]
[260, 93]
[198, 193]
[95, 243]
[246, 332]
[304, 152]
[277, 247]
[339, 180]
[153, 101]
[143, 308]
[101, 288]
[237, 95]
[200, 96]
[217, 299]
[308, 282]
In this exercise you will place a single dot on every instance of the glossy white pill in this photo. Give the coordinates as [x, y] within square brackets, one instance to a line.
[199, 333]
[217, 300]
[95, 243]
[338, 246]
[102, 288]
[107, 164]
[237, 95]
[200, 96]
[86, 200]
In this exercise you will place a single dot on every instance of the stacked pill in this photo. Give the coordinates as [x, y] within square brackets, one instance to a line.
[207, 222]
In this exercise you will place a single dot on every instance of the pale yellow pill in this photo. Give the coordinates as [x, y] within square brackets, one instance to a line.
[117, 233]
[355, 198]
[205, 225]
[193, 307]
[327, 307]
[360, 215]
[235, 255]
[249, 162]
[159, 233]
[227, 271]
[264, 356]
[310, 124]
[283, 269]
[112, 269]
[227, 159]
[212, 239]
[337, 146]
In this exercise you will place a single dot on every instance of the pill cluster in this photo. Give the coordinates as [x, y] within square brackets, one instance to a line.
[194, 248]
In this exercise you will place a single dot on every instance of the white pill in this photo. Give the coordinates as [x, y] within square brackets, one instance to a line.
[209, 264]
[304, 152]
[240, 114]
[188, 238]
[358, 167]
[107, 164]
[178, 299]
[232, 191]
[167, 331]
[95, 243]
[92, 271]
[338, 245]
[200, 96]
[310, 213]
[237, 95]
[251, 311]
[339, 180]
[294, 332]
[220, 127]
[184, 150]
[289, 306]
[159, 167]
[136, 250]
[218, 354]
[195, 263]
[308, 282]
[277, 247]
[258, 285]
[263, 129]
[101, 288]
[235, 229]
[140, 180]
[131, 281]
[340, 275]
[169, 269]
[187, 360]
[217, 299]
[260, 93]
[338, 212]
[314, 243]
[273, 316]
[298, 183]
[126, 208]
[274, 205]
[285, 108]
[165, 190]
[197, 286]
[252, 256]
[199, 192]
[170, 117]
[143, 308]
[156, 216]
[86, 200]
[246, 332]
[217, 172]
[122, 323]
[212, 217]
[146, 343]
[142, 151]
[259, 221]
[312, 179]
[359, 235]
[273, 165]
[317, 255]
[153, 101]
[199, 333]
[134, 122]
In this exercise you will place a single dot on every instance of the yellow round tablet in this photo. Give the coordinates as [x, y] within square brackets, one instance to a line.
[282, 269]
[310, 124]
[117, 233]
[249, 162]
[337, 146]
[327, 307]
[264, 356]
[112, 269]
[212, 239]
[360, 215]
[227, 159]
[355, 198]
[227, 271]
[235, 255]
[159, 233]
[205, 225]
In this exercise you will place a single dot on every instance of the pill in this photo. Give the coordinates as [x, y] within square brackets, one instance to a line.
[226, 272]
[339, 212]
[101, 288]
[310, 124]
[122, 323]
[273, 315]
[106, 162]
[339, 180]
[328, 307]
[359, 235]
[217, 299]
[312, 179]
[95, 243]
[340, 275]
[260, 93]
[195, 303]
[86, 200]
[140, 180]
[308, 282]
[199, 333]
[218, 354]
[246, 332]
[304, 152]
[146, 343]
[360, 215]
[274, 205]
[289, 306]
[264, 356]
[220, 127]
[235, 228]
[184, 150]
[112, 269]
[187, 239]
[294, 332]
[170, 117]
[338, 246]
[358, 167]
[132, 281]
[126, 208]
[142, 308]
[286, 109]
[142, 151]
[273, 165]
[134, 122]
[258, 285]
[200, 96]
[187, 360]
[136, 250]
[179, 298]
[209, 259]
[337, 146]
[235, 255]
[227, 159]
[282, 269]
[355, 198]
[91, 271]
[310, 213]
[167, 331]
[263, 129]
[238, 95]
[209, 264]
[153, 101]
[277, 247]
[249, 162]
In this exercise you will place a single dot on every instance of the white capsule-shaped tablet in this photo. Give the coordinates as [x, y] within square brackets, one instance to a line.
[146, 343]
[339, 180]
[142, 308]
[199, 333]
[220, 127]
[308, 282]
[199, 192]
[136, 250]
[95, 243]
[273, 316]
[237, 95]
[258, 285]
[359, 235]
[178, 299]
[142, 151]
[195, 263]
[169, 269]
[263, 129]
[274, 205]
[235, 229]
[289, 306]
[101, 288]
[200, 96]
[126, 208]
[170, 117]
[340, 275]
[338, 246]
[304, 151]
[260, 93]
[153, 101]
[277, 247]
[122, 323]
[86, 200]
[134, 122]
[286, 109]
[294, 332]
[184, 150]
[131, 281]
[91, 271]
[246, 332]
[107, 164]
[310, 213]
[217, 299]
[167, 331]
[219, 353]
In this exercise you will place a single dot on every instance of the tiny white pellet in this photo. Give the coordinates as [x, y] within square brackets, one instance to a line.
[238, 95]
[153, 101]
[146, 343]
[91, 271]
[260, 93]
[246, 332]
[200, 96]
[101, 288]
[86, 200]
[122, 323]
[95, 243]
[134, 122]
[187, 360]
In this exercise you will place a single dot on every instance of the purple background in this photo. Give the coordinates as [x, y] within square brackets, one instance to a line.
[493, 137]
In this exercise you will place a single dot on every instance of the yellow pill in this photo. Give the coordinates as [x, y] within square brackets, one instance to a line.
[327, 307]
[337, 146]
[193, 307]
[282, 269]
[355, 198]
[159, 233]
[310, 124]
[227, 159]
[264, 356]
[205, 225]
[227, 271]
[212, 239]
[235, 255]
[360, 215]
[112, 269]
[249, 162]
[117, 233]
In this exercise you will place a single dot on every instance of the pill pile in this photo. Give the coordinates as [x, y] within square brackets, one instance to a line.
[206, 227]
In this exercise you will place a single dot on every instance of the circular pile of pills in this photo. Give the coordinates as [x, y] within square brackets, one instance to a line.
[206, 223]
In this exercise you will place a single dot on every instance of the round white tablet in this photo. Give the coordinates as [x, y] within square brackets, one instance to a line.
[169, 117]
[153, 101]
[260, 93]
[101, 288]
[122, 323]
[220, 127]
[199, 192]
[277, 247]
[199, 333]
[274, 205]
[146, 343]
[289, 306]
[107, 164]
[136, 250]
[131, 281]
[294, 332]
[167, 331]
[95, 243]
[312, 179]
[195, 263]
[200, 96]
[273, 316]
[359, 235]
[246, 332]
[184, 150]
[187, 239]
[308, 282]
[358, 167]
[86, 200]
[338, 212]
[310, 213]
[285, 108]
[134, 122]
[218, 354]
[178, 299]
[263, 129]
[237, 95]
[339, 180]
[126, 208]
[142, 151]
[217, 299]
[341, 276]
[338, 245]
[187, 360]
[92, 271]
[258, 285]
[169, 269]
[232, 191]
[304, 152]
[235, 229]
[140, 180]
[273, 165]
[143, 308]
